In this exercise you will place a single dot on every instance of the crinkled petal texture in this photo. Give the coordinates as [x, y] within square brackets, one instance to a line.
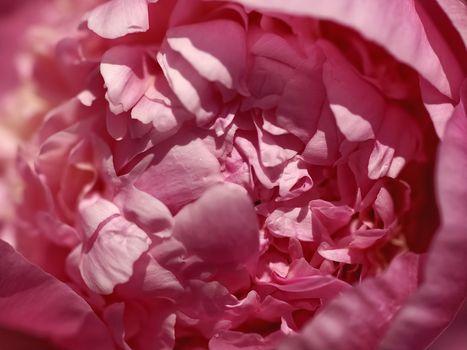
[40, 305]
[412, 47]
[357, 319]
[245, 174]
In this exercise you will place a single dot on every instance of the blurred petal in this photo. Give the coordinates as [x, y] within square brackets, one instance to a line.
[42, 306]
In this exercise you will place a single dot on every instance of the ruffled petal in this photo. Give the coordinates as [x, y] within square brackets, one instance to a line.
[183, 168]
[380, 22]
[357, 319]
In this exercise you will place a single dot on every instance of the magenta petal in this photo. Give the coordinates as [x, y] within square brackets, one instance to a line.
[357, 319]
[445, 280]
[380, 22]
[39, 305]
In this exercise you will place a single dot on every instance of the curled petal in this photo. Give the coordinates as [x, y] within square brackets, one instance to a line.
[445, 284]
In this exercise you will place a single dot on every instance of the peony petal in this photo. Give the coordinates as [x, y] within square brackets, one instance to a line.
[195, 93]
[126, 76]
[110, 252]
[322, 148]
[117, 18]
[230, 340]
[40, 305]
[456, 10]
[183, 168]
[216, 49]
[290, 222]
[357, 105]
[357, 319]
[381, 23]
[444, 286]
[146, 211]
[220, 227]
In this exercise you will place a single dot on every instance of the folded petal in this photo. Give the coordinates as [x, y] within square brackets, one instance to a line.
[146, 211]
[380, 22]
[359, 317]
[126, 76]
[216, 49]
[109, 254]
[444, 285]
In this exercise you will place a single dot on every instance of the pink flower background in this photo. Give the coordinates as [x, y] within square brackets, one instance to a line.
[245, 174]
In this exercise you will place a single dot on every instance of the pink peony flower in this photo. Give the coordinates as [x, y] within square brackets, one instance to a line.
[244, 174]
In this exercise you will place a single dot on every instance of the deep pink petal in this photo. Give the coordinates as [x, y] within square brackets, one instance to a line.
[381, 23]
[357, 319]
[220, 234]
[444, 286]
[40, 305]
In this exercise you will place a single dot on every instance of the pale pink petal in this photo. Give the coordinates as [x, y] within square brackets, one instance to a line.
[146, 211]
[117, 18]
[323, 147]
[290, 222]
[456, 10]
[42, 306]
[195, 93]
[126, 76]
[357, 106]
[275, 150]
[220, 234]
[108, 255]
[438, 106]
